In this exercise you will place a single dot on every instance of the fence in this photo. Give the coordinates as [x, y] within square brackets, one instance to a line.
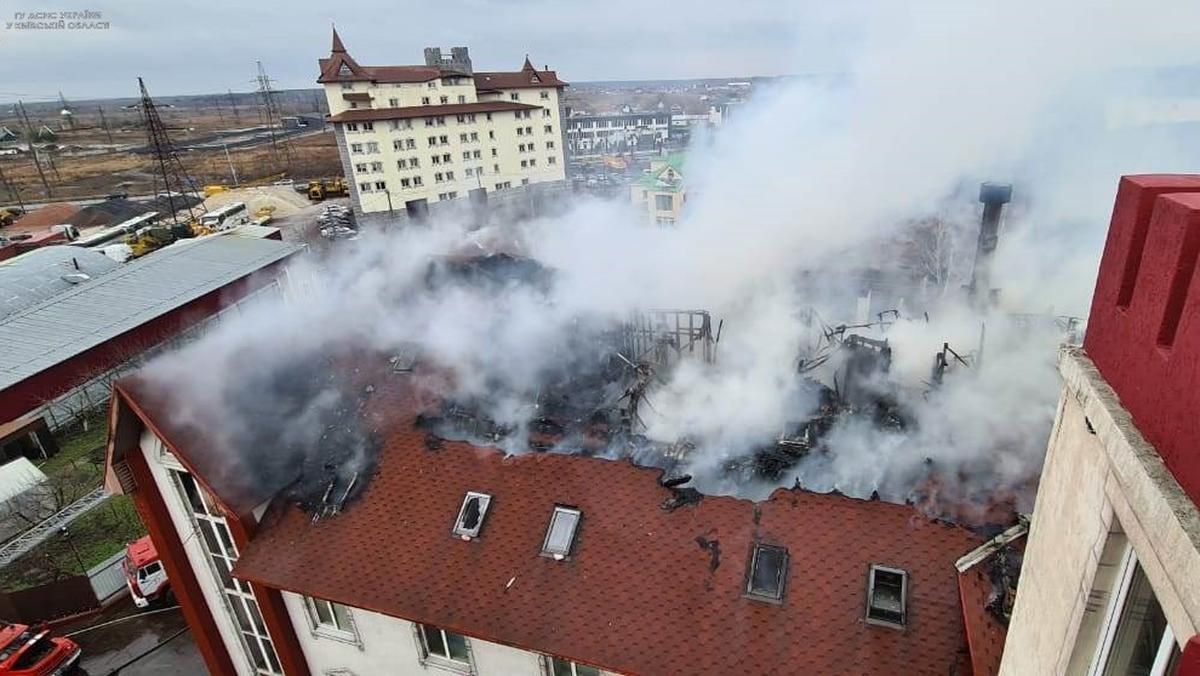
[58, 599]
[108, 578]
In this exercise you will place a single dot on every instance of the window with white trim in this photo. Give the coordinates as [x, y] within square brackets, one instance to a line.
[444, 647]
[240, 601]
[887, 596]
[331, 619]
[554, 666]
[1136, 638]
[768, 572]
[560, 534]
[470, 515]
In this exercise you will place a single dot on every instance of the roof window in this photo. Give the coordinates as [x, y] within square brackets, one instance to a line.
[470, 515]
[560, 536]
[768, 571]
[887, 593]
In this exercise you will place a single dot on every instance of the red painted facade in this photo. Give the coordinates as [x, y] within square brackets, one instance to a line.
[1144, 328]
[66, 375]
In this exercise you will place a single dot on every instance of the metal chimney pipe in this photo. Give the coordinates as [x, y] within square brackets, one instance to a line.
[993, 196]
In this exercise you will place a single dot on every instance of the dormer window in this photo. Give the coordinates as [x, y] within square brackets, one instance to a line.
[768, 572]
[345, 71]
[470, 515]
[560, 536]
[887, 596]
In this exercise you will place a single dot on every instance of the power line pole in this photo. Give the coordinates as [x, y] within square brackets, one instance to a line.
[270, 113]
[104, 123]
[33, 151]
[174, 177]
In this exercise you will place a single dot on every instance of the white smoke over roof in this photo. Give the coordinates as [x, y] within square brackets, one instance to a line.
[808, 181]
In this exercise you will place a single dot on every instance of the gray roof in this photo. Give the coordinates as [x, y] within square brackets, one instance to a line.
[40, 336]
[46, 272]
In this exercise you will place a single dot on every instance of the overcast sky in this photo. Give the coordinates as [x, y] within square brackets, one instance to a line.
[189, 46]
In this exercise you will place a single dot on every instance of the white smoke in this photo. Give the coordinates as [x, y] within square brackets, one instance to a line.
[805, 183]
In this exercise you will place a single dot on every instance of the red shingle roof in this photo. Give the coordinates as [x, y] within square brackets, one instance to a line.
[643, 591]
[518, 80]
[363, 114]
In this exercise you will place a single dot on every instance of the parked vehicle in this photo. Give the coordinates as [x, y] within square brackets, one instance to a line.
[145, 575]
[28, 651]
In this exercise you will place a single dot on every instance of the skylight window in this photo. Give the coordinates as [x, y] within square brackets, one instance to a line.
[470, 515]
[560, 536]
[887, 594]
[768, 572]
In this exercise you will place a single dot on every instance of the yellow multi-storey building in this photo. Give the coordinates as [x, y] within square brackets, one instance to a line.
[413, 136]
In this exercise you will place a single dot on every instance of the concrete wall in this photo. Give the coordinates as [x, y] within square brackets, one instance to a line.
[1101, 477]
[387, 645]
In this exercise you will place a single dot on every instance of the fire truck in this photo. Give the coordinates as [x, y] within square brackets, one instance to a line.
[145, 575]
[26, 651]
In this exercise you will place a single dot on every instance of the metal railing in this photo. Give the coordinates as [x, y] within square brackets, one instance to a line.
[38, 534]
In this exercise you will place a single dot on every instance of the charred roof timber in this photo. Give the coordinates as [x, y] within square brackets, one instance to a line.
[993, 196]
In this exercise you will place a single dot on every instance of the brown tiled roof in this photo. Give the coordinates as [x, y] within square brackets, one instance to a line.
[365, 114]
[517, 80]
[388, 74]
[646, 591]
[985, 633]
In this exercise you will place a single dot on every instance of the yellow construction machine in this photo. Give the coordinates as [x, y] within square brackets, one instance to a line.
[327, 187]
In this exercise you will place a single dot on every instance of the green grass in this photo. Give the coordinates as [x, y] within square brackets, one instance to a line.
[77, 450]
[90, 539]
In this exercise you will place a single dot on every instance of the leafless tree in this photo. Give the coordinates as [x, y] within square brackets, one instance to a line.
[934, 251]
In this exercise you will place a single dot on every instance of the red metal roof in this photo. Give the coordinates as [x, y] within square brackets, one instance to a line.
[361, 114]
[142, 551]
[646, 591]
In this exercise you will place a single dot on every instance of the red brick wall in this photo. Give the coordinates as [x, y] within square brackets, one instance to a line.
[1144, 329]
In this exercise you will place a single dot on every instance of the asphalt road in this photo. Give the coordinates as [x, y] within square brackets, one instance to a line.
[139, 643]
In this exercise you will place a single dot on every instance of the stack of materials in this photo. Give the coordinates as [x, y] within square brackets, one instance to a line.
[336, 222]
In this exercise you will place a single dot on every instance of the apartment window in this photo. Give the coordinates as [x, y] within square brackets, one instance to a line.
[474, 136]
[545, 95]
[462, 138]
[470, 515]
[476, 154]
[397, 144]
[217, 542]
[496, 168]
[372, 147]
[376, 167]
[549, 129]
[491, 135]
[441, 645]
[533, 161]
[356, 147]
[664, 202]
[436, 159]
[393, 103]
[524, 164]
[446, 158]
[1136, 639]
[361, 168]
[368, 126]
[414, 162]
[469, 172]
[452, 194]
[470, 117]
[768, 572]
[524, 181]
[432, 84]
[381, 185]
[546, 112]
[439, 177]
[443, 99]
[405, 183]
[514, 96]
[520, 131]
[330, 618]
[887, 594]
[494, 152]
[661, 220]
[560, 534]
[364, 187]
[346, 71]
[559, 667]
[552, 159]
[424, 100]
[429, 122]
[432, 141]
[529, 130]
[488, 117]
[549, 145]
[449, 175]
[443, 139]
[410, 143]
[461, 119]
[466, 155]
[351, 126]
[417, 182]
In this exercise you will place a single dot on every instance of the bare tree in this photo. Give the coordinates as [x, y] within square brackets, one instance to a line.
[933, 251]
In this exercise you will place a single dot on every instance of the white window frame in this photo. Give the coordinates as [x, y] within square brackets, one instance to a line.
[547, 664]
[431, 659]
[348, 634]
[471, 533]
[1112, 621]
[562, 510]
[783, 573]
[903, 596]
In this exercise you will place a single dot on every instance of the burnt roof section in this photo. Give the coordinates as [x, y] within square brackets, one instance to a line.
[636, 573]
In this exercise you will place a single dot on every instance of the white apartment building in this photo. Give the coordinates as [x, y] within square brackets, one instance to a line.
[413, 136]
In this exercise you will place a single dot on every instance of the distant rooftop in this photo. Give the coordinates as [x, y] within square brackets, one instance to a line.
[61, 325]
[46, 272]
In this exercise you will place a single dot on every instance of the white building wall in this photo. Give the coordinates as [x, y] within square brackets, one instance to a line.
[161, 462]
[387, 645]
[1102, 484]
